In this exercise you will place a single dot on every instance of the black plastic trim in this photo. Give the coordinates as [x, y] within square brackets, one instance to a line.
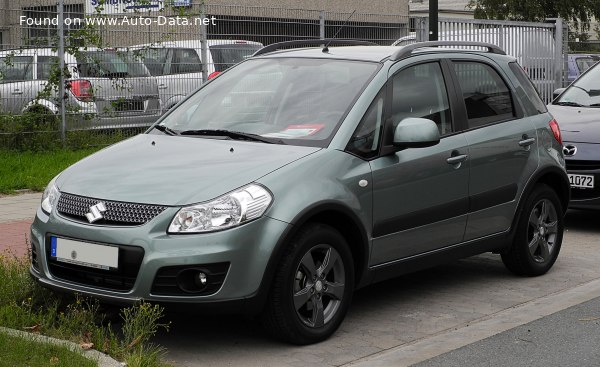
[422, 217]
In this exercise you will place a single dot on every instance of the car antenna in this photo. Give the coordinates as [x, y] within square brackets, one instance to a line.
[326, 48]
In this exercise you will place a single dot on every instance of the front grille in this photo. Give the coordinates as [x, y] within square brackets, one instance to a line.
[117, 212]
[576, 165]
[120, 280]
[165, 282]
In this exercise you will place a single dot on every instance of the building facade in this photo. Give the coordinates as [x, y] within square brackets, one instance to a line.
[33, 22]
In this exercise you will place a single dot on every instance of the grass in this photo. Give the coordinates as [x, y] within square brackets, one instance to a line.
[24, 305]
[33, 170]
[16, 351]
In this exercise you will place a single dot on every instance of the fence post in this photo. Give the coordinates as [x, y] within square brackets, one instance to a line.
[61, 64]
[422, 31]
[559, 58]
[203, 43]
[322, 24]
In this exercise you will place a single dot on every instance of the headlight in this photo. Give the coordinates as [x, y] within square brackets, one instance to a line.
[228, 211]
[50, 196]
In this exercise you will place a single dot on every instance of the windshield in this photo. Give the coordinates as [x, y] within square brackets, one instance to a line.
[584, 63]
[109, 64]
[291, 100]
[228, 55]
[584, 92]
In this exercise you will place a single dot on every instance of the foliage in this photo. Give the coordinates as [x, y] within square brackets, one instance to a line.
[16, 351]
[582, 11]
[24, 305]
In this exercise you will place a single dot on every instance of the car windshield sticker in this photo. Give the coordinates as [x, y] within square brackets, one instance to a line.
[296, 131]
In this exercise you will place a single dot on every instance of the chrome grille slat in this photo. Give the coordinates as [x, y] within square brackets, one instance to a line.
[117, 212]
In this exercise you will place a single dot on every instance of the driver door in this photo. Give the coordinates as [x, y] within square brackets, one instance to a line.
[420, 195]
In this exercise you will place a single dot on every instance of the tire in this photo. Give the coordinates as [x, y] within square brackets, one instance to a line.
[538, 236]
[312, 288]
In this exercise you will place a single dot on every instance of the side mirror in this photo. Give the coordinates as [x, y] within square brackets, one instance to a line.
[416, 132]
[557, 93]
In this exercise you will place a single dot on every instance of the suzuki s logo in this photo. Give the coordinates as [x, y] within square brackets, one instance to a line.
[96, 212]
[569, 150]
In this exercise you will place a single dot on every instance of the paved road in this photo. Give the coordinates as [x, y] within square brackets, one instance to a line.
[410, 319]
[431, 316]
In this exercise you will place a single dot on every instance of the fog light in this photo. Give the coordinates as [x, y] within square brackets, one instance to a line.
[192, 280]
[200, 279]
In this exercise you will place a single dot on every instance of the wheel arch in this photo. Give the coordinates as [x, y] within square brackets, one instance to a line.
[553, 177]
[339, 217]
[41, 103]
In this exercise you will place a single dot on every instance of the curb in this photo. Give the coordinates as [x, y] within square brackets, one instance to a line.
[103, 359]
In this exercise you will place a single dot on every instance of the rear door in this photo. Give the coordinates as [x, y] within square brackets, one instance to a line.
[420, 195]
[502, 145]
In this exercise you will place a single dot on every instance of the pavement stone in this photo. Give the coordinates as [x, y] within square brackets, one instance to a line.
[16, 215]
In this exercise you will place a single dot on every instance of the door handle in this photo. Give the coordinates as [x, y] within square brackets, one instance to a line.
[162, 86]
[17, 91]
[456, 159]
[526, 141]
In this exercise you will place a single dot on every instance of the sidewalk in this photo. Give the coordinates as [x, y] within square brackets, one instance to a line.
[16, 215]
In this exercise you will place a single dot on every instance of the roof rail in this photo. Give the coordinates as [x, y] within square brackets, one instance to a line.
[312, 42]
[408, 49]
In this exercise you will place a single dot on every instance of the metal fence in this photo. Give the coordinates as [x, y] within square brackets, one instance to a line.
[150, 60]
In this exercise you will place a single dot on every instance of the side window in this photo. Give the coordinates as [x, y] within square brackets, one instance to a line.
[44, 66]
[365, 140]
[420, 91]
[486, 96]
[185, 60]
[16, 68]
[155, 60]
[531, 99]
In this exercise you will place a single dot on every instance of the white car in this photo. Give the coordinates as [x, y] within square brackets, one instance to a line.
[106, 88]
[177, 65]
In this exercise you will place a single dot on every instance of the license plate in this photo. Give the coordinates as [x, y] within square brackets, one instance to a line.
[581, 181]
[84, 253]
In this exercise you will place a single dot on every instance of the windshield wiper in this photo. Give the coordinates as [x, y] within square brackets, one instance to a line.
[236, 135]
[166, 130]
[572, 104]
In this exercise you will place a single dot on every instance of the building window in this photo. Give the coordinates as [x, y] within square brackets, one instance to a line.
[42, 30]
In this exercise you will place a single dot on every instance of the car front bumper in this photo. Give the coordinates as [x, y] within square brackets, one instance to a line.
[245, 250]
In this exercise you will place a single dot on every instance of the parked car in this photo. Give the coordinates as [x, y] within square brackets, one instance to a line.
[105, 89]
[577, 108]
[300, 175]
[579, 63]
[177, 65]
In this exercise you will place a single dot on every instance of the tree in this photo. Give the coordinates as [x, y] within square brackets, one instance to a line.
[580, 12]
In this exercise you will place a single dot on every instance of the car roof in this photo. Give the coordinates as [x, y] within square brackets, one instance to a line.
[362, 53]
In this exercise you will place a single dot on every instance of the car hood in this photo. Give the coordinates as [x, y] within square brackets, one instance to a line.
[168, 170]
[577, 124]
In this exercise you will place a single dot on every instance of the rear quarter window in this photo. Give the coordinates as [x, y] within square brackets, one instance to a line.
[529, 96]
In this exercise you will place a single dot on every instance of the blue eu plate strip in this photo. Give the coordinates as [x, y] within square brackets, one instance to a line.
[53, 246]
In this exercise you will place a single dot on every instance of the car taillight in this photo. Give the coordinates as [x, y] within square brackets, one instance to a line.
[82, 90]
[555, 131]
[213, 74]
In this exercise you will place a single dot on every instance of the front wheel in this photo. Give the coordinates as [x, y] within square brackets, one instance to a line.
[312, 288]
[539, 234]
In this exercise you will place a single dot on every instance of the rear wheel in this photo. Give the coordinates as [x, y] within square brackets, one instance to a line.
[312, 288]
[539, 234]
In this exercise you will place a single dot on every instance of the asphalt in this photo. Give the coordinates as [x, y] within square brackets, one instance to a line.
[560, 328]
